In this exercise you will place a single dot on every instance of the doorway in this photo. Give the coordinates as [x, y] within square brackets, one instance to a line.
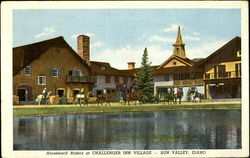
[60, 92]
[21, 94]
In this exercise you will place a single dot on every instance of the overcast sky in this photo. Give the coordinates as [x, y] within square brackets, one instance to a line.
[119, 36]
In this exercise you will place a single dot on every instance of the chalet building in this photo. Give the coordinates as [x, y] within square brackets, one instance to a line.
[112, 79]
[177, 71]
[222, 71]
[52, 64]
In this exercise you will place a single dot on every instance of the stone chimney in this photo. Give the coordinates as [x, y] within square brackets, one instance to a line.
[83, 48]
[131, 65]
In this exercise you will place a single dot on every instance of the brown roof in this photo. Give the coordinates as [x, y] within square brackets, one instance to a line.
[174, 70]
[224, 54]
[24, 55]
[185, 60]
[96, 67]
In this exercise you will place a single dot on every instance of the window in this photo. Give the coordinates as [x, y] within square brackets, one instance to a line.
[103, 67]
[107, 79]
[76, 72]
[192, 75]
[27, 71]
[55, 72]
[181, 76]
[166, 77]
[117, 79]
[41, 80]
[174, 63]
[125, 79]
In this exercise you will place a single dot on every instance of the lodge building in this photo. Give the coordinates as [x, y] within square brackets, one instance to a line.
[55, 65]
[52, 64]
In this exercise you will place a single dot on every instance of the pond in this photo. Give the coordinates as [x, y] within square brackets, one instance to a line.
[210, 129]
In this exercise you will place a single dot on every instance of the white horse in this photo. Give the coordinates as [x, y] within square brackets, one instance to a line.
[80, 97]
[41, 98]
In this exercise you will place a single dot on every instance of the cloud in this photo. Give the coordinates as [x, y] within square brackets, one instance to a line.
[46, 32]
[191, 38]
[87, 34]
[171, 28]
[204, 49]
[119, 57]
[196, 33]
[97, 44]
[158, 53]
[157, 38]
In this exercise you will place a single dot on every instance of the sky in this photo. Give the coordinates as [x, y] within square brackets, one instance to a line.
[119, 36]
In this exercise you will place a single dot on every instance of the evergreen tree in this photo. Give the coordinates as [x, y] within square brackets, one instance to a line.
[144, 79]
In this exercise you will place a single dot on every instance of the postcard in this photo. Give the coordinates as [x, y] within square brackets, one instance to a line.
[125, 79]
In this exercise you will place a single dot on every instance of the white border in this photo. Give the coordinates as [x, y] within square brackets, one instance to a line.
[6, 65]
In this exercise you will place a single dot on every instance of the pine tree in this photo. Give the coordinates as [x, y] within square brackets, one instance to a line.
[144, 79]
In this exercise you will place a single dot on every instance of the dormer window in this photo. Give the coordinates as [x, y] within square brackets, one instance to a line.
[239, 53]
[27, 70]
[103, 67]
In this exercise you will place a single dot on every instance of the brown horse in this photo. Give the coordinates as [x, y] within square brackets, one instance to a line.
[167, 97]
[105, 98]
[178, 95]
[133, 96]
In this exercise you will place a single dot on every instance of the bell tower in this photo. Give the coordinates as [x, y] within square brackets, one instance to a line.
[179, 46]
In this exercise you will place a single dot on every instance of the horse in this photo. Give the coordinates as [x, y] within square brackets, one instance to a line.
[40, 98]
[15, 100]
[194, 94]
[54, 99]
[133, 96]
[167, 97]
[178, 95]
[104, 97]
[80, 97]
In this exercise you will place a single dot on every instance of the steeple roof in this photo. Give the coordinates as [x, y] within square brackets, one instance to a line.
[179, 38]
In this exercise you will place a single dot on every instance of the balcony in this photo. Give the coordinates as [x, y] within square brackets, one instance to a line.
[188, 82]
[225, 75]
[80, 79]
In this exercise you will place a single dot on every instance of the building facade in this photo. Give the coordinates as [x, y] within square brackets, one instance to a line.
[112, 79]
[50, 64]
[178, 71]
[222, 71]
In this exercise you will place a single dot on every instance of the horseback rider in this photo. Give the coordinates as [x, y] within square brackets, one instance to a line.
[44, 92]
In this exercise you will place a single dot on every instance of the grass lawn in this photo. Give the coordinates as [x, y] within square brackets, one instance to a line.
[25, 111]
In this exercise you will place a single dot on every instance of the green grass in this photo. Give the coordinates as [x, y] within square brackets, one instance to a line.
[24, 112]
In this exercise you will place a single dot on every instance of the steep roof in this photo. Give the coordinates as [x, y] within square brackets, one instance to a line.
[96, 67]
[226, 53]
[26, 54]
[184, 60]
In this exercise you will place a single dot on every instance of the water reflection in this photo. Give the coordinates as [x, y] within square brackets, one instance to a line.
[132, 130]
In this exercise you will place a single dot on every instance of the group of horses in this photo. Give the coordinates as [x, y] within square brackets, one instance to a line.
[132, 95]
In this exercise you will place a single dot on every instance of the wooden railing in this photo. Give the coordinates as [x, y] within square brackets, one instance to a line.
[230, 74]
[188, 82]
[80, 79]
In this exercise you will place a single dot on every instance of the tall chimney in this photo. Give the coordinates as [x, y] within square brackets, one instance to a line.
[131, 65]
[83, 48]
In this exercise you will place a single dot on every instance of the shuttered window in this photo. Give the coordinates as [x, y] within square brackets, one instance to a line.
[27, 70]
[55, 72]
